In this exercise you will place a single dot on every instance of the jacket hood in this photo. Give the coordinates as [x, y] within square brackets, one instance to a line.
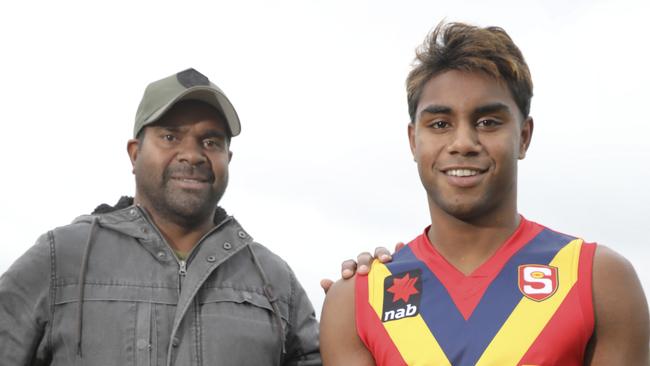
[126, 201]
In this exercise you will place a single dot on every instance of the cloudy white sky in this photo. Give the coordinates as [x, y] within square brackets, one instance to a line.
[322, 169]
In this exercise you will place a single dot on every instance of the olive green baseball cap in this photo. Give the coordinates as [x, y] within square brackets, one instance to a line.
[189, 84]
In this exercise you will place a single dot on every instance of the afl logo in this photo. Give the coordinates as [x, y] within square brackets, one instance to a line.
[538, 282]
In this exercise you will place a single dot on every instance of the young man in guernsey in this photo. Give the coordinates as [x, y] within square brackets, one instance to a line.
[482, 285]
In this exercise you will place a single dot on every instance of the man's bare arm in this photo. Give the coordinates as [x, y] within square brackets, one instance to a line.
[622, 329]
[339, 342]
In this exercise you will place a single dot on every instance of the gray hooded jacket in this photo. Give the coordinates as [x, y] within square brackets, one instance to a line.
[108, 290]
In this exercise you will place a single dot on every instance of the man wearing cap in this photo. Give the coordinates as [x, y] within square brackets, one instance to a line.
[165, 277]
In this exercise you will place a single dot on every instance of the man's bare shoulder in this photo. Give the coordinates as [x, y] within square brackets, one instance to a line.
[340, 343]
[614, 277]
[622, 330]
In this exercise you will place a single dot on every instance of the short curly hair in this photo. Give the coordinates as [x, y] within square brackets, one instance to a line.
[459, 46]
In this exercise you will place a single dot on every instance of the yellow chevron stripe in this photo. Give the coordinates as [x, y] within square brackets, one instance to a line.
[378, 272]
[410, 335]
[529, 317]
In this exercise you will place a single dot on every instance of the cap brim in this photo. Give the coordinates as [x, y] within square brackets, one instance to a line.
[207, 95]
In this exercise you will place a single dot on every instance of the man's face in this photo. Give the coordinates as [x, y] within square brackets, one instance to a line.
[466, 140]
[181, 164]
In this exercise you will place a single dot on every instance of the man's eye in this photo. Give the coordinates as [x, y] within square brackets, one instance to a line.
[439, 124]
[487, 122]
[211, 144]
[169, 137]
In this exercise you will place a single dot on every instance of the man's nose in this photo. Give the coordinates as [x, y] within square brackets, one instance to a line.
[191, 152]
[465, 140]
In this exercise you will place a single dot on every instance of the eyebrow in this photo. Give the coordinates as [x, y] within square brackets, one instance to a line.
[215, 133]
[435, 109]
[484, 109]
[492, 108]
[207, 134]
[168, 128]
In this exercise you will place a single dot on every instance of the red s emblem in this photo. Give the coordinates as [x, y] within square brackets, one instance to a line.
[537, 281]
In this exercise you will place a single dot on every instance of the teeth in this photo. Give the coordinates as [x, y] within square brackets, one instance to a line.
[462, 172]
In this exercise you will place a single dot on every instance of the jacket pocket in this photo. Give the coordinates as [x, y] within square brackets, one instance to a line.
[117, 324]
[238, 327]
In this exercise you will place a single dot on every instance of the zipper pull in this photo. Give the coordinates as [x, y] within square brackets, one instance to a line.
[183, 268]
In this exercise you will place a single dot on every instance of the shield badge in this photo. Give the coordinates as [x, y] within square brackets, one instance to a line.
[537, 281]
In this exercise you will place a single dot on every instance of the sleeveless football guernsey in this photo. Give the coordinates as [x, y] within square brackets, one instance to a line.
[530, 304]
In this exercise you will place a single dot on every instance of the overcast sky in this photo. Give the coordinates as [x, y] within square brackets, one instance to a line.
[322, 169]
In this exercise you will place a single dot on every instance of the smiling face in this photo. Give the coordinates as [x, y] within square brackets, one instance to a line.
[181, 164]
[467, 136]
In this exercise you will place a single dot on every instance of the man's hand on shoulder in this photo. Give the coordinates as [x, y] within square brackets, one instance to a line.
[361, 266]
[622, 328]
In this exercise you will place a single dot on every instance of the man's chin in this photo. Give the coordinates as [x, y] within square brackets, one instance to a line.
[465, 211]
[190, 208]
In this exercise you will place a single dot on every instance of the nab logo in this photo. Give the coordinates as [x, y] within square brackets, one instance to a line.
[538, 282]
[402, 294]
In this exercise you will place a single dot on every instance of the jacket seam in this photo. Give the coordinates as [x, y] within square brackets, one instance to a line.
[134, 336]
[107, 284]
[298, 342]
[52, 297]
[155, 347]
[197, 333]
[248, 289]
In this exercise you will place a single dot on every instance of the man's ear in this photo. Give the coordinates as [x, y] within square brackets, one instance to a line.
[229, 156]
[525, 137]
[411, 133]
[133, 148]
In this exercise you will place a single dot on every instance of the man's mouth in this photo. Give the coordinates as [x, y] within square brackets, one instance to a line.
[464, 177]
[191, 180]
[189, 177]
[191, 183]
[462, 172]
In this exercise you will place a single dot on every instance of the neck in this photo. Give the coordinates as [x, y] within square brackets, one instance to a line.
[180, 236]
[468, 243]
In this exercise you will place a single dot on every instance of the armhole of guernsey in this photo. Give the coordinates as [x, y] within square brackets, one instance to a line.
[585, 276]
[361, 308]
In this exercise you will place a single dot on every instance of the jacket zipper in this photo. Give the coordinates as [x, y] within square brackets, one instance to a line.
[182, 268]
[182, 264]
[182, 271]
